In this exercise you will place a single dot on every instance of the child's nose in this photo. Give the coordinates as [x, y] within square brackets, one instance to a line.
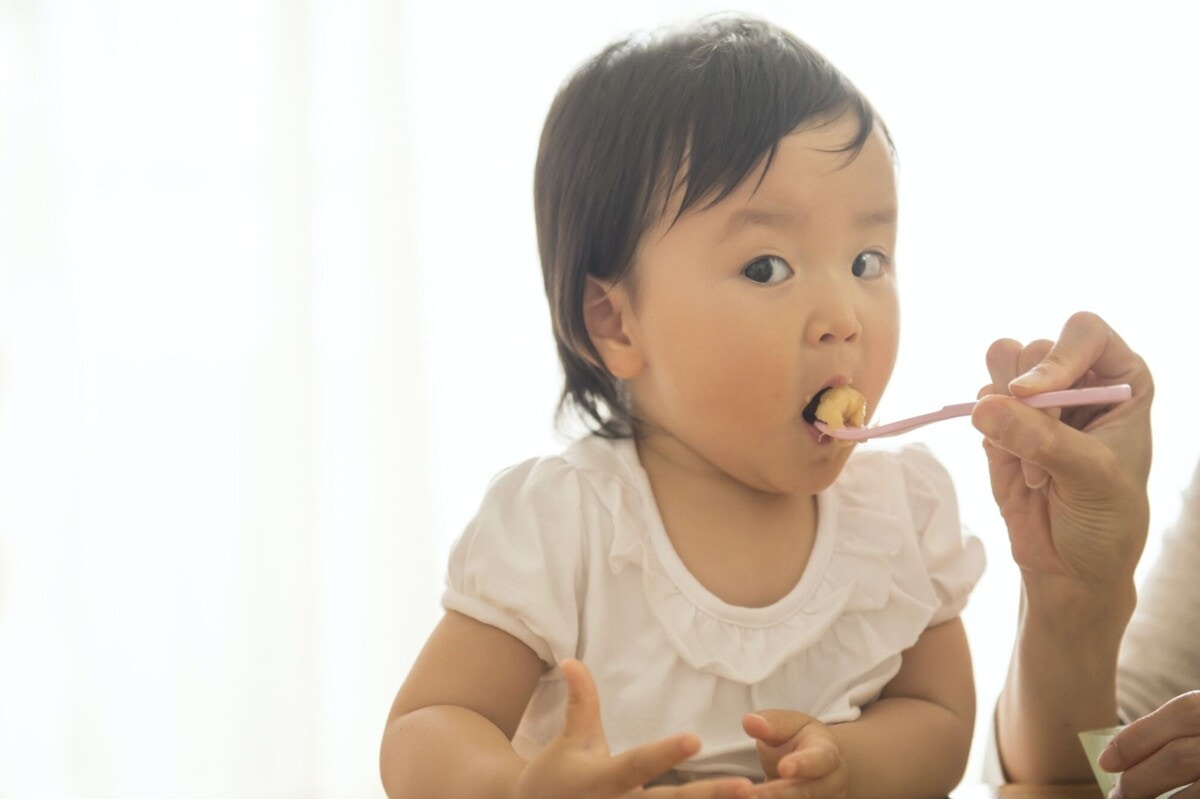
[834, 319]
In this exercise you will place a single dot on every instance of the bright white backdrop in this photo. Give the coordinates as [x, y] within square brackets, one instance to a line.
[270, 318]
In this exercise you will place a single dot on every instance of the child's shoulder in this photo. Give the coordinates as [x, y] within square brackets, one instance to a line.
[561, 511]
[910, 468]
[592, 471]
[591, 458]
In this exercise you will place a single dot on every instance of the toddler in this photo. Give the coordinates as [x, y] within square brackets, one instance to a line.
[704, 597]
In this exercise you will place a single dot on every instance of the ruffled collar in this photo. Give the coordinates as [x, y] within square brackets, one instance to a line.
[855, 571]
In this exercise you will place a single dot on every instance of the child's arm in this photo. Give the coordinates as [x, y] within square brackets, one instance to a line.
[450, 729]
[915, 739]
[912, 742]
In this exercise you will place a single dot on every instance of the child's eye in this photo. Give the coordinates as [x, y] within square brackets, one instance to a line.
[768, 269]
[869, 265]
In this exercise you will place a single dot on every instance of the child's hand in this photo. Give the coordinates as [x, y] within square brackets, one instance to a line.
[799, 755]
[577, 764]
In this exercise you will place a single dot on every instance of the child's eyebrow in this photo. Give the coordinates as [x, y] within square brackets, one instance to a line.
[759, 217]
[879, 218]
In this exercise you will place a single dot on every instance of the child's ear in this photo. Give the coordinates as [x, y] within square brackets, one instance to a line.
[608, 316]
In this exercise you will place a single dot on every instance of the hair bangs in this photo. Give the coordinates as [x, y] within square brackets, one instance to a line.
[741, 100]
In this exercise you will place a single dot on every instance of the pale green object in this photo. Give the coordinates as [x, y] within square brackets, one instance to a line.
[1094, 742]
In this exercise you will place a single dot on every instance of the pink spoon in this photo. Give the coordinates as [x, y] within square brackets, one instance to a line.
[1097, 395]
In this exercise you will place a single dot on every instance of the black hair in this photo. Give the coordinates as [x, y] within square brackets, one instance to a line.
[696, 108]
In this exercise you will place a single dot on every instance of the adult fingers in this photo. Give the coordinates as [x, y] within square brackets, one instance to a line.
[1159, 751]
[1191, 792]
[1175, 765]
[1002, 360]
[1031, 355]
[1006, 359]
[1002, 468]
[1085, 344]
[1178, 718]
[1037, 437]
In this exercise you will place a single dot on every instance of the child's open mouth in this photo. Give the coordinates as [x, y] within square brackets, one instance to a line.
[810, 410]
[836, 407]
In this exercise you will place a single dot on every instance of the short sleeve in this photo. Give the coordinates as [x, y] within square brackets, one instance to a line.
[518, 564]
[954, 560]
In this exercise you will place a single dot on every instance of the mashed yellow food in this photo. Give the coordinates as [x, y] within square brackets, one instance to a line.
[842, 406]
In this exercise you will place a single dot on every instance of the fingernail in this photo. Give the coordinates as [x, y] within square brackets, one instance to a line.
[1028, 380]
[1035, 477]
[1109, 760]
[761, 719]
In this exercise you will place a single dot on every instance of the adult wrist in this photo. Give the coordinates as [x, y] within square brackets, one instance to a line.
[1074, 608]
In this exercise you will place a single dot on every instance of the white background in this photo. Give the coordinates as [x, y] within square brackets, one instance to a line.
[271, 317]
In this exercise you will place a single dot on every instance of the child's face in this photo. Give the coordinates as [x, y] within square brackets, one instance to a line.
[745, 310]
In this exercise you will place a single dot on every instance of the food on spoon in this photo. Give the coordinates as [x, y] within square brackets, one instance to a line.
[842, 406]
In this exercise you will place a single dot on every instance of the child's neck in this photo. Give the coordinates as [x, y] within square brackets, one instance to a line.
[747, 547]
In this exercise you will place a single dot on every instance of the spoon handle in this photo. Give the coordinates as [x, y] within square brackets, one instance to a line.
[1071, 397]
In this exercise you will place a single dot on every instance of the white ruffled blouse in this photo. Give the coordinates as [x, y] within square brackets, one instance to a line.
[569, 555]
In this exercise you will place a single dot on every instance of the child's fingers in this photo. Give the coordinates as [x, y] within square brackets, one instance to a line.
[629, 770]
[831, 786]
[758, 727]
[773, 727]
[583, 704]
[635, 768]
[810, 762]
[731, 788]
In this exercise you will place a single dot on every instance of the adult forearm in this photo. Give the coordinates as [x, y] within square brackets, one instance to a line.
[905, 747]
[444, 751]
[1062, 679]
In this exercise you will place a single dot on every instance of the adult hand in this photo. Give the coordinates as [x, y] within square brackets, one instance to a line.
[1158, 752]
[577, 764]
[798, 754]
[1071, 488]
